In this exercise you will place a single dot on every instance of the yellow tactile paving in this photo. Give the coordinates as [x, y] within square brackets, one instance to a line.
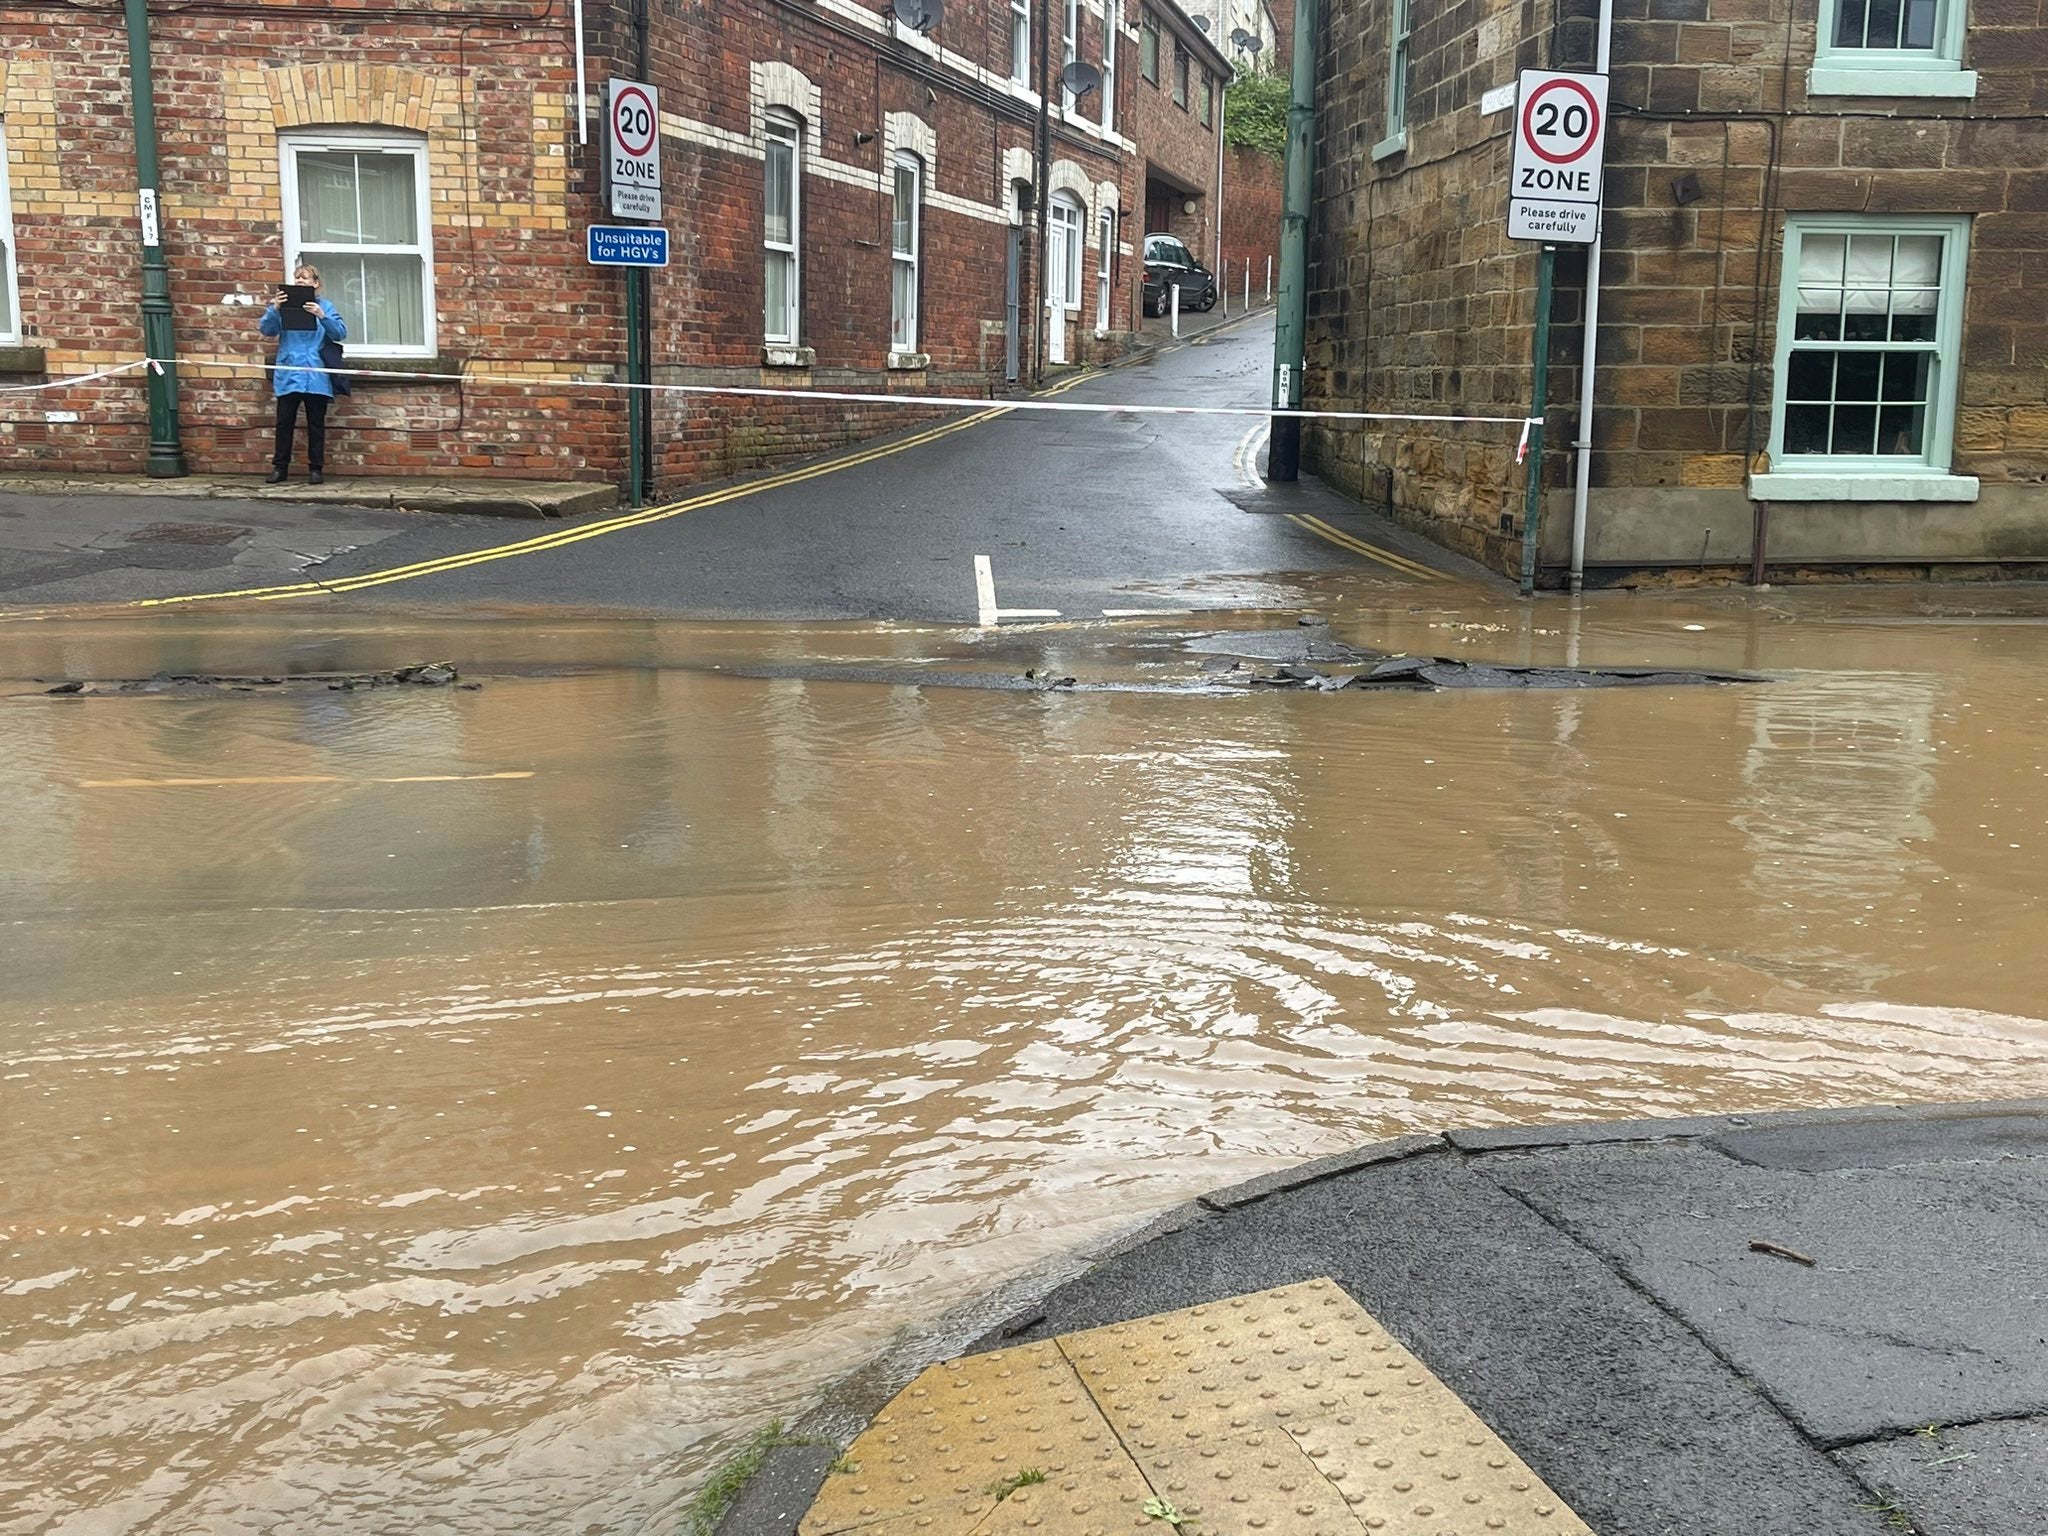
[1291, 1412]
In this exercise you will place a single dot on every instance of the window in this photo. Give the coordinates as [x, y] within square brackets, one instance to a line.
[1148, 48]
[1070, 43]
[1208, 108]
[1105, 265]
[1020, 41]
[782, 230]
[1064, 267]
[903, 232]
[1397, 84]
[1109, 47]
[10, 286]
[1891, 48]
[1869, 332]
[355, 206]
[1180, 75]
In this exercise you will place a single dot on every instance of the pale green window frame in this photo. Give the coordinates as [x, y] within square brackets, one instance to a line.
[1397, 84]
[1891, 48]
[1854, 248]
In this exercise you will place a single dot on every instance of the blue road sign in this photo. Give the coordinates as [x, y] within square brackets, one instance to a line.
[627, 245]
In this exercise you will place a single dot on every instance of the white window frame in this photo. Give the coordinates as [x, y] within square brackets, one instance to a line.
[1874, 477]
[1398, 33]
[294, 142]
[906, 345]
[1183, 75]
[1020, 41]
[1932, 71]
[781, 126]
[12, 331]
[1072, 219]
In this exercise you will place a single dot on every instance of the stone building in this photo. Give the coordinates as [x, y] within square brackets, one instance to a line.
[1181, 79]
[1823, 327]
[848, 200]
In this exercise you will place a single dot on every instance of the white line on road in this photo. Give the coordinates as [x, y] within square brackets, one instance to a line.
[986, 613]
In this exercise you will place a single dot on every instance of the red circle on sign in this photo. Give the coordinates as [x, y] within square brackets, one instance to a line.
[634, 93]
[1592, 114]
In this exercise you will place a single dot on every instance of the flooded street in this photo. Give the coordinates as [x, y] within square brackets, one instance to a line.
[471, 1112]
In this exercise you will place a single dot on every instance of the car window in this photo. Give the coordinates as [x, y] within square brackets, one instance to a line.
[1156, 250]
[1177, 252]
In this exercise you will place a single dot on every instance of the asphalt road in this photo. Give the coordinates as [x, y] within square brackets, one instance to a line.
[1076, 514]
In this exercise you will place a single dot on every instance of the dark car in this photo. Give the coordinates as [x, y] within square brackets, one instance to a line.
[1170, 264]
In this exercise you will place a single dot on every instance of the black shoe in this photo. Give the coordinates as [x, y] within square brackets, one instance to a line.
[314, 477]
[274, 477]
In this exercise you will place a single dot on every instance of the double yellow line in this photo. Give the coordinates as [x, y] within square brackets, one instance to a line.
[1358, 546]
[566, 536]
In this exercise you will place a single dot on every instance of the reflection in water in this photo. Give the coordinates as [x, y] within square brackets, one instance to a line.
[484, 1155]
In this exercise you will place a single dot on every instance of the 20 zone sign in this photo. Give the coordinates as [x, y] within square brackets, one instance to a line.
[633, 150]
[1558, 131]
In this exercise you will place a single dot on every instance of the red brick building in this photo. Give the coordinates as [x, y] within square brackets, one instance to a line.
[1181, 80]
[852, 204]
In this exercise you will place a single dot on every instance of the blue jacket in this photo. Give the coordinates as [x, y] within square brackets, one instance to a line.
[298, 352]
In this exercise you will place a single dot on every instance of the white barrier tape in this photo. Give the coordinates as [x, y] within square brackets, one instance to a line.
[943, 402]
[81, 378]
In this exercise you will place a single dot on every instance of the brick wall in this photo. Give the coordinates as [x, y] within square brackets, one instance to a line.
[511, 190]
[1419, 302]
[1253, 194]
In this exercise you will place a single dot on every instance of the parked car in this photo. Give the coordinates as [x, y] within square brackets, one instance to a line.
[1170, 264]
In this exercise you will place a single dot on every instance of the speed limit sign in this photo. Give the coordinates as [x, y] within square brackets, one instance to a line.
[632, 150]
[1560, 131]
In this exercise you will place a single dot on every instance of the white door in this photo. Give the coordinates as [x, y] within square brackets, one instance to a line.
[1062, 273]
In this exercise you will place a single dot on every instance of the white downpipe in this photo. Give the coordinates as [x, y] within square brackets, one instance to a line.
[1583, 475]
[582, 90]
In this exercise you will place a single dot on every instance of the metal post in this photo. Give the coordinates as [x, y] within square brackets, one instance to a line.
[1291, 325]
[636, 397]
[1582, 477]
[1532, 502]
[1247, 285]
[1269, 279]
[1173, 307]
[1223, 285]
[166, 456]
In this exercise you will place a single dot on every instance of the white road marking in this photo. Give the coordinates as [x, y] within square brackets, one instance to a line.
[984, 592]
[1246, 459]
[986, 613]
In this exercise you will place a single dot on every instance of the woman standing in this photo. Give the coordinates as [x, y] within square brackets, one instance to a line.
[300, 377]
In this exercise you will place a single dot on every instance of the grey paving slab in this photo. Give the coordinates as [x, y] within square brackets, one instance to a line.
[1926, 1303]
[1980, 1480]
[1619, 1407]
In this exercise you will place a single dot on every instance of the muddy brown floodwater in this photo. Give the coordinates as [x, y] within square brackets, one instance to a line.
[392, 1144]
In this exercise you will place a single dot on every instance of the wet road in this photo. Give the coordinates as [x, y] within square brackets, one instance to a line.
[1076, 513]
[471, 1112]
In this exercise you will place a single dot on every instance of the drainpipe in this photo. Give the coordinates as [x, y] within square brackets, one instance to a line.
[1042, 194]
[166, 457]
[1603, 48]
[1216, 256]
[1283, 461]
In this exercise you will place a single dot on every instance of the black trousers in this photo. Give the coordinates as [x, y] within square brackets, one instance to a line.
[316, 430]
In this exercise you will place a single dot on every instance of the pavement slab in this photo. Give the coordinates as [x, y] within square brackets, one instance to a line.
[1980, 1480]
[1873, 1338]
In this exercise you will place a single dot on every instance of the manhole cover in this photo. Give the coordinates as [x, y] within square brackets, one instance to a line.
[186, 533]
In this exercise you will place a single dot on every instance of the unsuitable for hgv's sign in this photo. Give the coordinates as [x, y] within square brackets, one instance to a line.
[1560, 131]
[632, 150]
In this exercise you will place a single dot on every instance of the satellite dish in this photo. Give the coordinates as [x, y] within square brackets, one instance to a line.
[1243, 41]
[1202, 22]
[918, 15]
[1079, 78]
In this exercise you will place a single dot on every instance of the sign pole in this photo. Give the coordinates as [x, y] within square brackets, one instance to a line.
[1539, 406]
[636, 397]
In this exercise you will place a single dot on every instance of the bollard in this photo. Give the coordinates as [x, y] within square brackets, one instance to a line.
[1269, 279]
[1247, 285]
[1223, 285]
[1173, 307]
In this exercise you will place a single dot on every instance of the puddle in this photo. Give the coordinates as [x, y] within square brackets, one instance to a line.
[394, 1140]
